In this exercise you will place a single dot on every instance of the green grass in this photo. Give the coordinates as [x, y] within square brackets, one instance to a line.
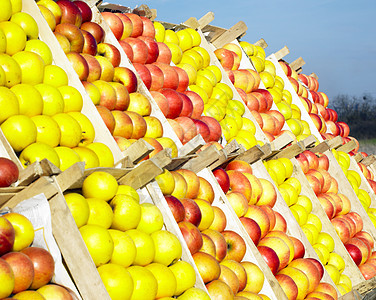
[368, 146]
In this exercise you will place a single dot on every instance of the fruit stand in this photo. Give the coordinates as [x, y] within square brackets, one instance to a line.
[178, 161]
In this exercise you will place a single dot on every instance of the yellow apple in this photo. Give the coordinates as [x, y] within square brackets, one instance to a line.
[70, 129]
[94, 235]
[176, 52]
[11, 68]
[67, 156]
[88, 156]
[185, 39]
[167, 142]
[38, 151]
[16, 6]
[196, 38]
[124, 248]
[27, 23]
[185, 276]
[165, 278]
[29, 99]
[32, 66]
[171, 37]
[48, 130]
[29, 294]
[117, 281]
[24, 230]
[20, 131]
[159, 31]
[41, 48]
[167, 247]
[2, 76]
[15, 35]
[48, 16]
[53, 7]
[205, 55]
[151, 218]
[53, 102]
[145, 247]
[127, 212]
[78, 206]
[87, 128]
[101, 213]
[145, 284]
[191, 72]
[106, 158]
[72, 98]
[128, 190]
[6, 10]
[166, 182]
[55, 76]
[3, 42]
[100, 184]
[194, 293]
[9, 105]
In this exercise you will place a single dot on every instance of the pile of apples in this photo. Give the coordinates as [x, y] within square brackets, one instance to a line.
[135, 257]
[111, 87]
[41, 114]
[25, 271]
[218, 253]
[348, 224]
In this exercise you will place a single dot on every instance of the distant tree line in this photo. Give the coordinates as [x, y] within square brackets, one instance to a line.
[359, 112]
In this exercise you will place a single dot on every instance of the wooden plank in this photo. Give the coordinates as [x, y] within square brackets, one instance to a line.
[192, 146]
[267, 149]
[251, 155]
[138, 150]
[262, 43]
[282, 53]
[290, 151]
[352, 295]
[29, 174]
[70, 176]
[368, 160]
[234, 32]
[309, 141]
[162, 158]
[281, 142]
[365, 287]
[192, 23]
[321, 148]
[358, 157]
[204, 158]
[49, 168]
[298, 63]
[74, 250]
[206, 19]
[141, 175]
[178, 161]
[349, 146]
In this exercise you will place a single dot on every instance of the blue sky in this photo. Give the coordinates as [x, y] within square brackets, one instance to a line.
[337, 39]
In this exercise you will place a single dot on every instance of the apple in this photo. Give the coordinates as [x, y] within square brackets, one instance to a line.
[288, 285]
[48, 130]
[7, 236]
[127, 49]
[255, 277]
[368, 270]
[165, 54]
[73, 34]
[145, 248]
[44, 265]
[299, 249]
[152, 47]
[270, 257]
[107, 117]
[140, 50]
[110, 52]
[70, 129]
[280, 247]
[23, 270]
[363, 247]
[208, 245]
[8, 172]
[188, 126]
[27, 23]
[192, 211]
[206, 191]
[95, 69]
[157, 79]
[7, 279]
[137, 24]
[56, 291]
[170, 76]
[95, 29]
[342, 228]
[53, 7]
[183, 79]
[220, 221]
[79, 64]
[310, 269]
[239, 183]
[85, 10]
[70, 13]
[38, 151]
[223, 179]
[192, 236]
[64, 42]
[225, 58]
[357, 220]
[144, 73]
[123, 124]
[20, 131]
[175, 102]
[87, 128]
[236, 246]
[226, 286]
[126, 76]
[115, 24]
[180, 189]
[176, 207]
[207, 266]
[148, 27]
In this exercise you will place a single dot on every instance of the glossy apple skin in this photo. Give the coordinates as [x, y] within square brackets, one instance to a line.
[191, 235]
[222, 178]
[176, 208]
[8, 172]
[7, 235]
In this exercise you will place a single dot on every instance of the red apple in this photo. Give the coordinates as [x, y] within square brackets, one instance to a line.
[240, 183]
[144, 74]
[355, 253]
[8, 172]
[299, 249]
[165, 54]
[270, 257]
[202, 129]
[110, 52]
[126, 76]
[73, 34]
[198, 104]
[95, 29]
[152, 46]
[157, 79]
[183, 79]
[189, 128]
[176, 208]
[207, 266]
[107, 117]
[170, 76]
[236, 247]
[239, 165]
[280, 222]
[192, 211]
[139, 125]
[23, 270]
[222, 178]
[137, 23]
[115, 24]
[288, 285]
[95, 69]
[127, 25]
[219, 242]
[44, 266]
[187, 108]
[90, 44]
[192, 236]
[225, 57]
[175, 102]
[70, 13]
[139, 48]
[7, 235]
[127, 49]
[122, 96]
[123, 124]
[85, 10]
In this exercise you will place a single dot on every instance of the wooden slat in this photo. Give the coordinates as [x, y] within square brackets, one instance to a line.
[370, 159]
[349, 146]
[358, 157]
[192, 23]
[206, 19]
[281, 142]
[179, 161]
[141, 175]
[204, 158]
[192, 146]
[8, 148]
[365, 287]
[298, 63]
[282, 53]
[262, 43]
[162, 158]
[251, 155]
[290, 151]
[138, 150]
[234, 32]
[309, 141]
